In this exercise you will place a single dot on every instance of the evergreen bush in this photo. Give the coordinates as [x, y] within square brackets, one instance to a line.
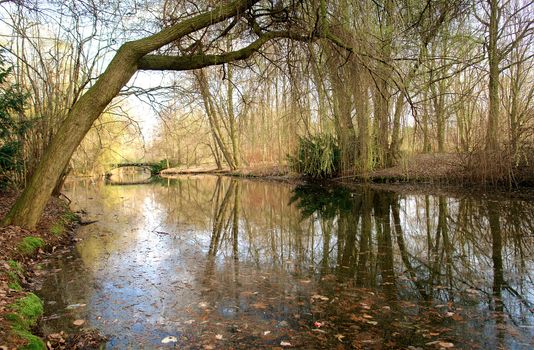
[317, 157]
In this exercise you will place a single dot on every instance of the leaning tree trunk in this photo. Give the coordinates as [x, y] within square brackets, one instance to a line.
[29, 207]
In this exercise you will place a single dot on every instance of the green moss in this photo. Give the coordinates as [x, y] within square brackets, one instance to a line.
[34, 342]
[13, 274]
[69, 216]
[25, 312]
[13, 282]
[57, 229]
[15, 266]
[30, 244]
[24, 315]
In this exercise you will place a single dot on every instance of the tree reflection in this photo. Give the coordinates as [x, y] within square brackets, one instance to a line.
[442, 246]
[255, 243]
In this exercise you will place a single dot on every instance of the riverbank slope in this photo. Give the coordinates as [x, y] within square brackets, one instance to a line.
[21, 254]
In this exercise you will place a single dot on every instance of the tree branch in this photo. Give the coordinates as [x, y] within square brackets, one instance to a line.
[180, 63]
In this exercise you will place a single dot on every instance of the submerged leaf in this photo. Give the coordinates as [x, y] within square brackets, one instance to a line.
[78, 323]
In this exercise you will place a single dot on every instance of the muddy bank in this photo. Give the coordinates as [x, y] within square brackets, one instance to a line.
[201, 169]
[22, 255]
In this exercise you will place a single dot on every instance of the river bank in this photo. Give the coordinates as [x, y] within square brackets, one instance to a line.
[22, 255]
[440, 168]
[434, 173]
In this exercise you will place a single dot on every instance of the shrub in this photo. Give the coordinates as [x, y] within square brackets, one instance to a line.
[12, 130]
[317, 157]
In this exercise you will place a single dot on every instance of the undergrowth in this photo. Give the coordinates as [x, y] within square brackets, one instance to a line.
[24, 315]
[30, 244]
[14, 274]
[316, 157]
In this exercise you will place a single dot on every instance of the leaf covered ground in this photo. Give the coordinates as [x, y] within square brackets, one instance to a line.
[21, 252]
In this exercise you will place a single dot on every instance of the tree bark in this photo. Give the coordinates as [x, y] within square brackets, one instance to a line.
[494, 60]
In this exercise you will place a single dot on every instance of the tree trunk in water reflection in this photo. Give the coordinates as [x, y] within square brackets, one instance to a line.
[382, 205]
[363, 273]
[498, 277]
[403, 252]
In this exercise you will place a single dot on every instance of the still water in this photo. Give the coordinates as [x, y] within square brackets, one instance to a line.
[221, 263]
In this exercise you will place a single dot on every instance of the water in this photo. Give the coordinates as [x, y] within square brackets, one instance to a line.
[223, 263]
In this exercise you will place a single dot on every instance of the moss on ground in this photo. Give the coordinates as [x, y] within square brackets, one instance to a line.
[13, 274]
[57, 229]
[30, 244]
[25, 314]
[69, 216]
[34, 342]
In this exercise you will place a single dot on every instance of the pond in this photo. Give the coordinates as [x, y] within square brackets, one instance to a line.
[206, 262]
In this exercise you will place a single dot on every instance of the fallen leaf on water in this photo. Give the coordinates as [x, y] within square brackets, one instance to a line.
[457, 317]
[285, 343]
[319, 297]
[75, 306]
[78, 322]
[446, 344]
[169, 339]
[329, 277]
[259, 305]
[356, 318]
[248, 293]
[219, 337]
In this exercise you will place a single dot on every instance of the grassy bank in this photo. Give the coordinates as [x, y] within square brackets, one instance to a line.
[21, 253]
